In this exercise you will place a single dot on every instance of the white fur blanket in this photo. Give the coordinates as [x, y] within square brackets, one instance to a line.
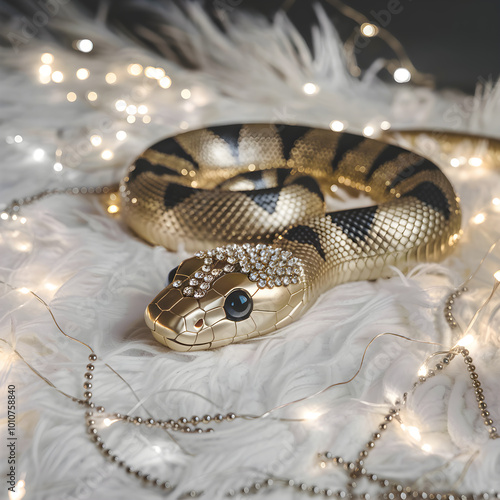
[98, 278]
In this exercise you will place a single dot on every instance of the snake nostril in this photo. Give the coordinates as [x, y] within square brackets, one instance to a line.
[199, 323]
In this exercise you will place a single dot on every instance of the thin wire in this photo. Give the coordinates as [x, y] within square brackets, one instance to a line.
[76, 340]
[37, 373]
[51, 314]
[321, 391]
[483, 305]
[481, 262]
[386, 36]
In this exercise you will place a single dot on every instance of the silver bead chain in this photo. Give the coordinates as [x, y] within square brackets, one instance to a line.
[448, 308]
[356, 470]
[15, 206]
[181, 424]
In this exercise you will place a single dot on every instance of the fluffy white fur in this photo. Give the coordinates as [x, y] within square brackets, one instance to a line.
[98, 279]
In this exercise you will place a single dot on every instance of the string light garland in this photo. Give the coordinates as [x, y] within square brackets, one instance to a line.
[356, 471]
[402, 68]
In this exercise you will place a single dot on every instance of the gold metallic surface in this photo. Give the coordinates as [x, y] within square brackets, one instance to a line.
[404, 228]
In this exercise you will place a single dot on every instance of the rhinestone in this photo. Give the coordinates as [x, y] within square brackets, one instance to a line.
[177, 284]
[261, 284]
[228, 268]
[208, 260]
[277, 281]
[193, 282]
[188, 291]
[198, 274]
[232, 260]
[205, 286]
[206, 268]
[253, 276]
[270, 283]
[288, 271]
[286, 281]
[200, 255]
[219, 256]
[208, 278]
[263, 276]
[295, 280]
[293, 261]
[198, 294]
[210, 253]
[296, 270]
[280, 271]
[216, 272]
[245, 268]
[259, 266]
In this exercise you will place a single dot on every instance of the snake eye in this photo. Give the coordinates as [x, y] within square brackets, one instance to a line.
[171, 275]
[238, 305]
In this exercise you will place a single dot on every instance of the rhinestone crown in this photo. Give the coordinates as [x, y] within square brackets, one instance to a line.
[267, 265]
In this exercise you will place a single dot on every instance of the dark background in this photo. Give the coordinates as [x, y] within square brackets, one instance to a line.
[457, 41]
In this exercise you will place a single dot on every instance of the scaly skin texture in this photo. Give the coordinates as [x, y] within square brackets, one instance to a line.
[262, 184]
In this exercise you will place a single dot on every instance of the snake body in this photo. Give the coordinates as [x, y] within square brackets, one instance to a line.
[250, 199]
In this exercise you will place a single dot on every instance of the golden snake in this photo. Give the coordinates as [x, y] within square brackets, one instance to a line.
[250, 199]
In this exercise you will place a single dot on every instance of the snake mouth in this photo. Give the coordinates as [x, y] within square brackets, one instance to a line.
[166, 335]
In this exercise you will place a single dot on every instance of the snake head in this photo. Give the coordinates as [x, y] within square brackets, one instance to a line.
[227, 295]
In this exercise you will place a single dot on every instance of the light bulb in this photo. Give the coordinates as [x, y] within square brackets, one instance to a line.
[310, 88]
[57, 77]
[402, 75]
[38, 154]
[107, 154]
[165, 82]
[47, 58]
[110, 78]
[134, 69]
[96, 140]
[337, 126]
[479, 219]
[369, 29]
[84, 45]
[82, 74]
[368, 131]
[414, 433]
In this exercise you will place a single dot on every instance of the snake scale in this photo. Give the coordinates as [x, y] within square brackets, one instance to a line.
[249, 199]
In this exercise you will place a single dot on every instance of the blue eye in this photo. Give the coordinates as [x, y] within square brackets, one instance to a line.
[238, 305]
[171, 275]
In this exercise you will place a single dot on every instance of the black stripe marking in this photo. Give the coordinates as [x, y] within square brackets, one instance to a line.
[354, 223]
[281, 175]
[265, 198]
[412, 170]
[231, 134]
[142, 165]
[307, 236]
[345, 144]
[429, 193]
[176, 193]
[388, 154]
[172, 147]
[310, 184]
[289, 135]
